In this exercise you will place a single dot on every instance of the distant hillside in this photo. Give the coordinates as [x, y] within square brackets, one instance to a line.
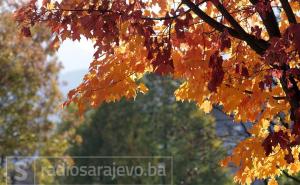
[70, 80]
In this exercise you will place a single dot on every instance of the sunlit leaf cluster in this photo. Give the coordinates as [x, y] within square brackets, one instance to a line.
[242, 55]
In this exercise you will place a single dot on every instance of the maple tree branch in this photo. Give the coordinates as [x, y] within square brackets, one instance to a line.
[229, 18]
[120, 13]
[295, 84]
[111, 84]
[279, 97]
[176, 16]
[235, 24]
[292, 93]
[212, 22]
[284, 172]
[245, 129]
[290, 177]
[83, 10]
[269, 20]
[288, 11]
[166, 17]
[250, 93]
[258, 45]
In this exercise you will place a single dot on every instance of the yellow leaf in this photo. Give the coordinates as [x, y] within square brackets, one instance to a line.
[206, 106]
[272, 182]
[143, 89]
[50, 6]
[147, 13]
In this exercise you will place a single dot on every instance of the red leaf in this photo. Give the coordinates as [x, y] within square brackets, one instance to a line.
[26, 32]
[289, 158]
[245, 72]
[261, 85]
[225, 40]
[217, 75]
[278, 138]
[295, 30]
[164, 69]
[179, 28]
[256, 30]
[237, 68]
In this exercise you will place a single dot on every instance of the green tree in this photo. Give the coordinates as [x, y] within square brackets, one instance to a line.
[29, 93]
[153, 125]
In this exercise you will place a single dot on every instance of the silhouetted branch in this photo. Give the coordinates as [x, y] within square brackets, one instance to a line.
[288, 11]
[291, 177]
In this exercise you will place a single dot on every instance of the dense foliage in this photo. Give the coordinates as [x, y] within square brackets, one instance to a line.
[29, 94]
[241, 54]
[152, 125]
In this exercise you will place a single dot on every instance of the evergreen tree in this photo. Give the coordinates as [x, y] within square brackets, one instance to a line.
[153, 125]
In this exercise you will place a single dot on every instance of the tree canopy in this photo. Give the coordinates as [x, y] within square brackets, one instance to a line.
[28, 82]
[29, 95]
[243, 55]
[152, 125]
